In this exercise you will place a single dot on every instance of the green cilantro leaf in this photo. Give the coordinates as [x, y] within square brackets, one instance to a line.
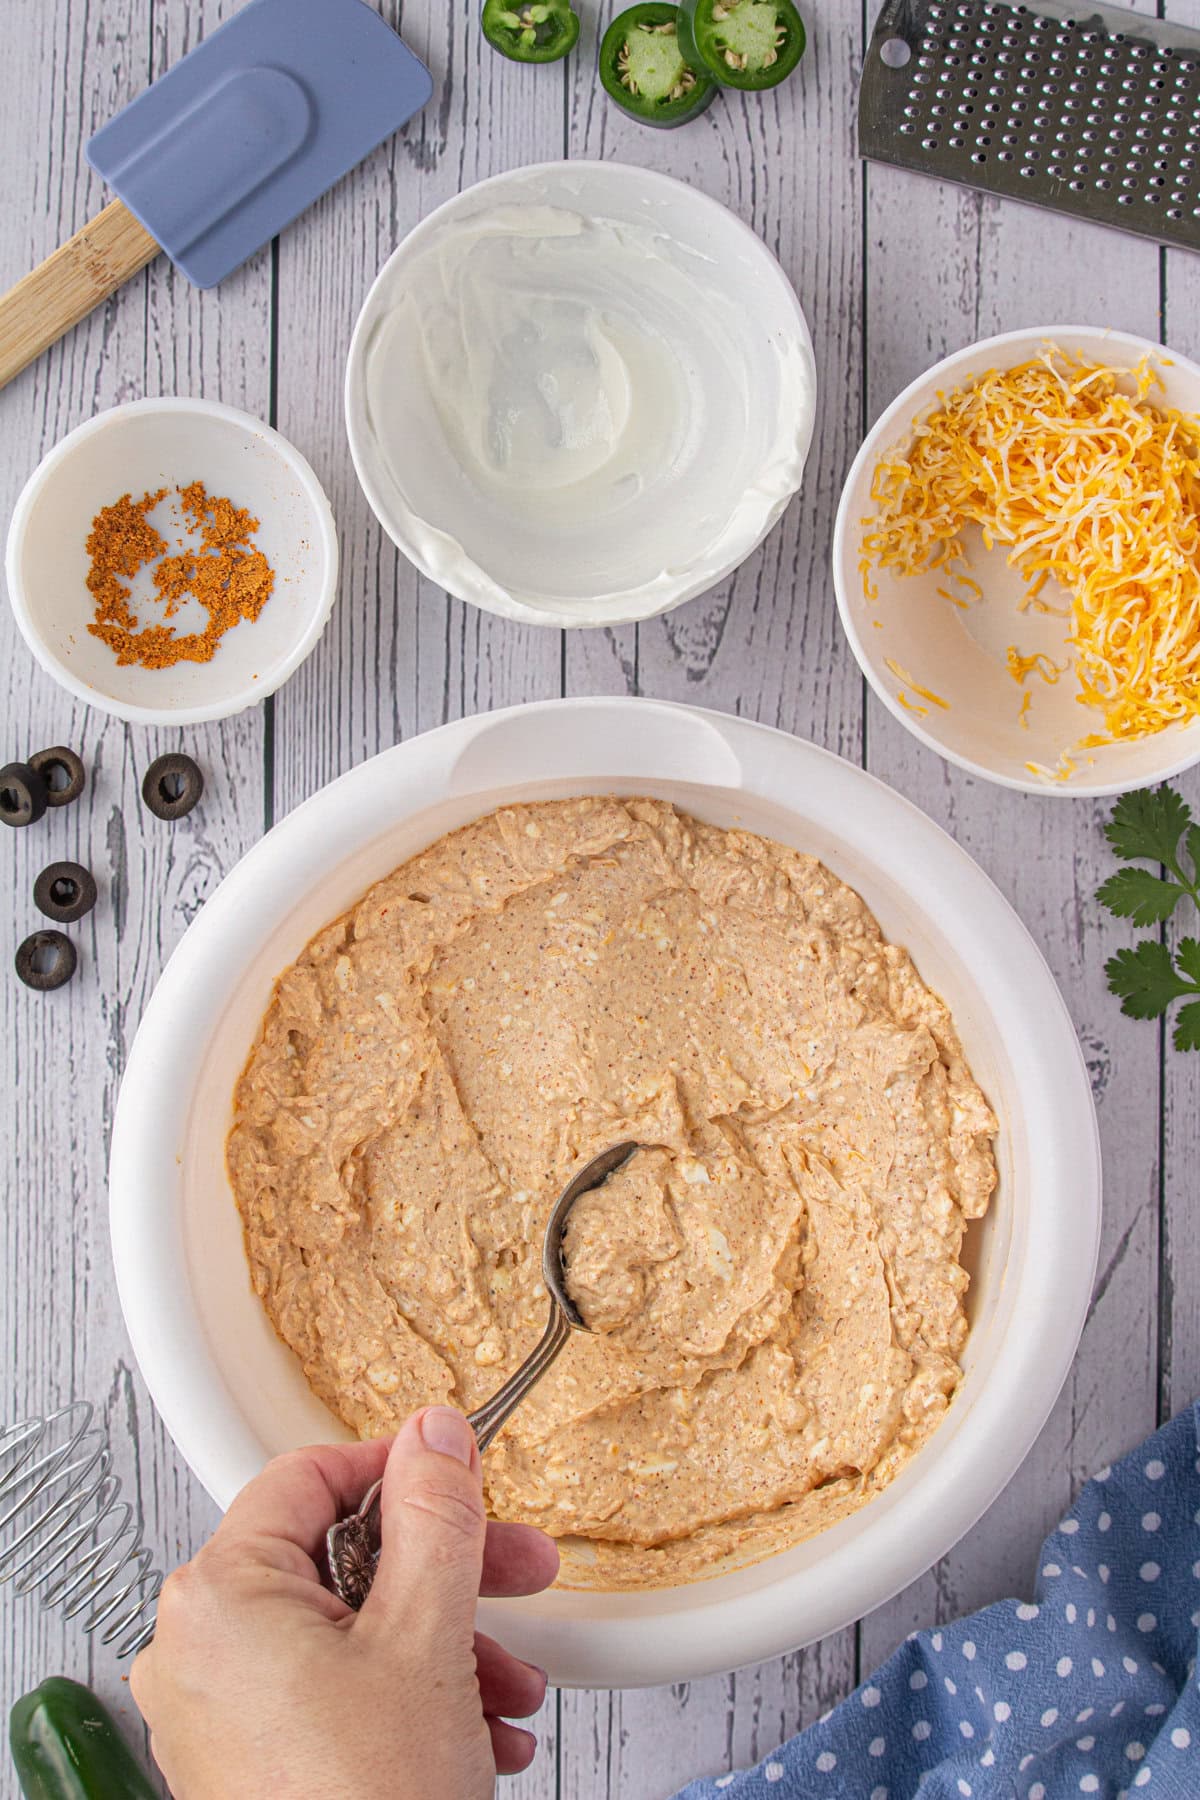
[1145, 979]
[1148, 824]
[1188, 958]
[1155, 825]
[1140, 895]
[1187, 1027]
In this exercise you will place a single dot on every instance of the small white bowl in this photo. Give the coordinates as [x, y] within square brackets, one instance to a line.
[960, 655]
[616, 536]
[136, 449]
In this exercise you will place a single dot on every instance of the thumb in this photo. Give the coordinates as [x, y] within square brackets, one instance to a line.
[434, 1526]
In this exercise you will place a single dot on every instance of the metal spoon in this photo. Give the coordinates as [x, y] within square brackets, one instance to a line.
[353, 1544]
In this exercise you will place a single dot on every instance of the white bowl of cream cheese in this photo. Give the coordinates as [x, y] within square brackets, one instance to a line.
[580, 394]
[232, 1395]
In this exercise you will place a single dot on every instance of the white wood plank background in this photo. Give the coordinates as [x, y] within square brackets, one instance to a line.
[893, 272]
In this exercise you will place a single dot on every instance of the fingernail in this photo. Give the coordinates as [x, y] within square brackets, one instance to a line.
[447, 1432]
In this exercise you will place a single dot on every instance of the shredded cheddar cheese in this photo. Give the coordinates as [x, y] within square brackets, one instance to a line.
[1089, 485]
[902, 674]
[922, 712]
[1020, 666]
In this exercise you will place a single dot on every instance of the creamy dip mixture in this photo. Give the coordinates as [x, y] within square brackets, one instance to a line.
[774, 1284]
[575, 409]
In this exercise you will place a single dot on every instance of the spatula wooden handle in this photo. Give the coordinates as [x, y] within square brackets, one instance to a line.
[77, 277]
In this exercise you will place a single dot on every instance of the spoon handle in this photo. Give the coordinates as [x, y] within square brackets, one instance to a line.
[487, 1421]
[353, 1543]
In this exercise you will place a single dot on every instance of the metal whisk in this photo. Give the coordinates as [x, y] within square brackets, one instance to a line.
[64, 1529]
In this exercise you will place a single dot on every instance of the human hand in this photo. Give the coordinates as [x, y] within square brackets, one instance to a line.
[260, 1681]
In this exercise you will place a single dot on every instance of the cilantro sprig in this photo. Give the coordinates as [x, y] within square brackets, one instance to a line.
[1155, 825]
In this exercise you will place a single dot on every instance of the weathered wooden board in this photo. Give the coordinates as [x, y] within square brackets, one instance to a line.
[764, 644]
[1179, 1272]
[893, 271]
[66, 71]
[946, 267]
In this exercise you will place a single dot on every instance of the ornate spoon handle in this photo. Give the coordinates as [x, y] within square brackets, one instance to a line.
[353, 1544]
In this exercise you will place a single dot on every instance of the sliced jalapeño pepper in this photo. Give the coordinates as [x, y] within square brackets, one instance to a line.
[644, 70]
[751, 44]
[530, 31]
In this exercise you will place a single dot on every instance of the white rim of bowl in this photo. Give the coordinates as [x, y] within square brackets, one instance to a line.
[900, 412]
[180, 715]
[562, 618]
[1054, 1277]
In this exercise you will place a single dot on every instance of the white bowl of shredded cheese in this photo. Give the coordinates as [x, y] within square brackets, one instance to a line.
[1063, 655]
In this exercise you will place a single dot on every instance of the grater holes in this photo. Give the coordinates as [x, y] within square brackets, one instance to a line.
[1058, 103]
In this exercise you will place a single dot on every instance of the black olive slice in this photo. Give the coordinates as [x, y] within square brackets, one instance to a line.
[172, 786]
[62, 771]
[65, 892]
[22, 794]
[46, 960]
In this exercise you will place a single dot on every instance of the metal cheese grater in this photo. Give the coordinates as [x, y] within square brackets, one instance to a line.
[1089, 110]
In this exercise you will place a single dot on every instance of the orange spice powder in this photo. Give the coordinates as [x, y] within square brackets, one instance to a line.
[231, 580]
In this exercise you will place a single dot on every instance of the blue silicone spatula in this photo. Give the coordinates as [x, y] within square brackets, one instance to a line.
[222, 152]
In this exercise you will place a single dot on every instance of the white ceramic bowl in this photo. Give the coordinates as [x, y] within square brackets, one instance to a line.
[137, 449]
[232, 1395]
[542, 557]
[960, 655]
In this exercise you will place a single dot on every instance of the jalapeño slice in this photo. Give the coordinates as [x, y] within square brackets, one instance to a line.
[530, 31]
[644, 70]
[751, 44]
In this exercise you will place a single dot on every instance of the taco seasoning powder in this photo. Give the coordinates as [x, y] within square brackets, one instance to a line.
[231, 580]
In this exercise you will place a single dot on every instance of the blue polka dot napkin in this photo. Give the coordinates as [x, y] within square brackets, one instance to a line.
[1088, 1689]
